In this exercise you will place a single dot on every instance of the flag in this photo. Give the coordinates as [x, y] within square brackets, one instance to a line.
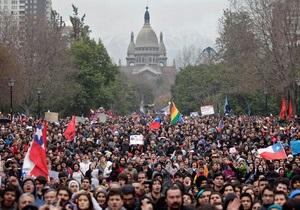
[249, 110]
[227, 108]
[290, 111]
[35, 163]
[166, 110]
[155, 125]
[283, 109]
[175, 115]
[273, 152]
[110, 113]
[220, 126]
[70, 131]
[295, 145]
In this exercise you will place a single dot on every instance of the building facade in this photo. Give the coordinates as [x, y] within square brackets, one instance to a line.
[146, 61]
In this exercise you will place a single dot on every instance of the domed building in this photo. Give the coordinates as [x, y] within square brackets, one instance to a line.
[146, 61]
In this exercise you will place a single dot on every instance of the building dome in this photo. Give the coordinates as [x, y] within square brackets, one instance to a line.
[146, 37]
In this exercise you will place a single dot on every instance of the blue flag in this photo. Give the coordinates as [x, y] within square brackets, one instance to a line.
[295, 145]
[249, 110]
[227, 108]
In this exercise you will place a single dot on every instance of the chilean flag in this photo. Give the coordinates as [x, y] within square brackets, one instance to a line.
[155, 125]
[35, 163]
[273, 152]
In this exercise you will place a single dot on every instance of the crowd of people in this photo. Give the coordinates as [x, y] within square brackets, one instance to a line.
[194, 165]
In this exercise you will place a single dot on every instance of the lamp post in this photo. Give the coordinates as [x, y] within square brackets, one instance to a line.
[266, 95]
[39, 91]
[11, 83]
[298, 89]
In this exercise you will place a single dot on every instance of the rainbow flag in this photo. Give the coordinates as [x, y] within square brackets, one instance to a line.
[175, 115]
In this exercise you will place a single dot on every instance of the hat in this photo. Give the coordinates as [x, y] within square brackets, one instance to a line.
[290, 156]
[275, 206]
[128, 189]
[101, 191]
[214, 155]
[294, 193]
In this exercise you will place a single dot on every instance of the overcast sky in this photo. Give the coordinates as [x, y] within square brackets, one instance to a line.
[183, 23]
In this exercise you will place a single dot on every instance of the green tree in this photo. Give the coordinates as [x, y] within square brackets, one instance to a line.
[95, 74]
[80, 30]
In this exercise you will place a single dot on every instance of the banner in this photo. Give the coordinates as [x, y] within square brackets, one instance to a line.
[136, 139]
[207, 110]
[51, 116]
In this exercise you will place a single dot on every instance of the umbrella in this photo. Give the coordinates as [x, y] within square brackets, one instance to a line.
[4, 120]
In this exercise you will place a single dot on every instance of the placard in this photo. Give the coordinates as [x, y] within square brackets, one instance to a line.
[207, 110]
[136, 139]
[79, 120]
[51, 116]
[53, 174]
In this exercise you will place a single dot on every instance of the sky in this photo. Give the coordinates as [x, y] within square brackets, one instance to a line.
[183, 23]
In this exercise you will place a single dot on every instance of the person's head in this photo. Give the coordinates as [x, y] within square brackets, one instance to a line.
[215, 197]
[9, 196]
[101, 197]
[86, 183]
[280, 198]
[282, 185]
[218, 180]
[295, 182]
[128, 196]
[84, 201]
[50, 196]
[122, 179]
[187, 199]
[29, 186]
[173, 198]
[204, 197]
[178, 176]
[141, 176]
[267, 195]
[25, 199]
[262, 183]
[115, 199]
[40, 182]
[115, 185]
[64, 194]
[227, 188]
[246, 201]
[74, 186]
[256, 205]
[146, 203]
[251, 192]
[156, 186]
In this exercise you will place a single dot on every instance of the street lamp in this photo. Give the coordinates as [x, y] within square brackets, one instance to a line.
[266, 95]
[39, 91]
[11, 83]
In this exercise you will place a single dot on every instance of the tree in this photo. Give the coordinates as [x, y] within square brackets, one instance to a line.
[95, 73]
[258, 39]
[80, 30]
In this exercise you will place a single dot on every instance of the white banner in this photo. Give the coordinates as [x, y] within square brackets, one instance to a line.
[136, 139]
[207, 110]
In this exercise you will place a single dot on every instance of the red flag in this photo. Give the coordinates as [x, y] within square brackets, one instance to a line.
[155, 125]
[35, 163]
[70, 131]
[290, 111]
[110, 113]
[283, 109]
